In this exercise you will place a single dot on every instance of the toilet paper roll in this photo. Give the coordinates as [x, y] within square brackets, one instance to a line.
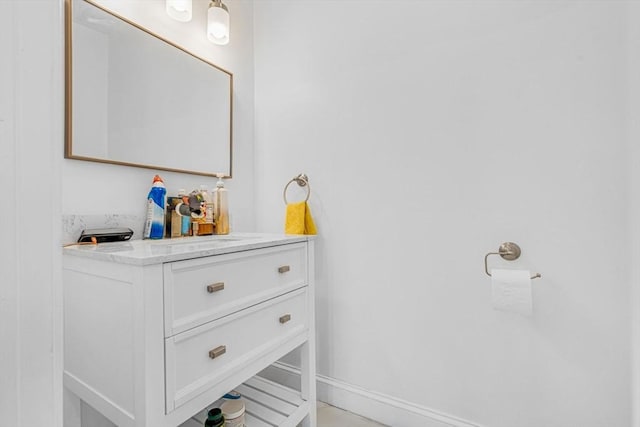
[511, 291]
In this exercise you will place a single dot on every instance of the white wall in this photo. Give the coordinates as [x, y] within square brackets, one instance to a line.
[633, 125]
[30, 147]
[92, 188]
[431, 132]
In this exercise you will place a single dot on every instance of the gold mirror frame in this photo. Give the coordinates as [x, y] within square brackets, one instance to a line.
[68, 125]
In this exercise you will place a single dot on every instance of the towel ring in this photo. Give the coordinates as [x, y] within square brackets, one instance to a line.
[303, 181]
[509, 251]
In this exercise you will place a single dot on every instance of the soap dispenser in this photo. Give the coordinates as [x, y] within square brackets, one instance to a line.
[220, 207]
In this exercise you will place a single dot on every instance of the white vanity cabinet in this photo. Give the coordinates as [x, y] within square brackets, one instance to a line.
[155, 332]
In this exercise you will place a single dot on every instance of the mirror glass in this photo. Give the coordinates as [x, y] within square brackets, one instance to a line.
[136, 99]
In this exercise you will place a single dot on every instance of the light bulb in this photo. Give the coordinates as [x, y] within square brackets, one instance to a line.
[180, 10]
[218, 23]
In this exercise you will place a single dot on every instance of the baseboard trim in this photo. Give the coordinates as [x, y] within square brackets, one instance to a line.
[380, 407]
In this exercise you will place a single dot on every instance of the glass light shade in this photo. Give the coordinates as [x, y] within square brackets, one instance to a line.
[218, 24]
[180, 10]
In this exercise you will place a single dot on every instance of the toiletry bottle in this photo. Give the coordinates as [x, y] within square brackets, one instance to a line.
[214, 418]
[208, 201]
[156, 202]
[233, 412]
[173, 225]
[232, 395]
[197, 201]
[220, 207]
[186, 214]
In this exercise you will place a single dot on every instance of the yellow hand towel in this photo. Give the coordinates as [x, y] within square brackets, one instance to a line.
[298, 219]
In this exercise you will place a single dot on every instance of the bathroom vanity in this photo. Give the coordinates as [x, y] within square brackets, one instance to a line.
[156, 331]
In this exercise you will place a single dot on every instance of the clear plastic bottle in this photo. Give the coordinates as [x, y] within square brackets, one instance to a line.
[220, 207]
[156, 203]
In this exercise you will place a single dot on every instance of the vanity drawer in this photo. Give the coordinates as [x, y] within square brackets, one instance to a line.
[200, 358]
[201, 290]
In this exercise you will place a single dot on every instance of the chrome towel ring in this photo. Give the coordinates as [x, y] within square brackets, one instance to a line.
[303, 181]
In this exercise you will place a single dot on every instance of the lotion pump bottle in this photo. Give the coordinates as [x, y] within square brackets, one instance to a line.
[220, 207]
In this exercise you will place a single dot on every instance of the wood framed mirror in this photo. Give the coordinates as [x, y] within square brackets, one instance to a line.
[134, 98]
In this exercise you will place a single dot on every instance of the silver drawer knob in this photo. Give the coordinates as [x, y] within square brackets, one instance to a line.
[215, 287]
[283, 269]
[217, 352]
[285, 318]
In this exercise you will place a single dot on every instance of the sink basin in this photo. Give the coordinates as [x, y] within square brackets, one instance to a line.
[197, 241]
[189, 244]
[183, 245]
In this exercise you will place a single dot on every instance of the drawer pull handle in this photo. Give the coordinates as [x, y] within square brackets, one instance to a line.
[215, 287]
[285, 318]
[217, 352]
[284, 269]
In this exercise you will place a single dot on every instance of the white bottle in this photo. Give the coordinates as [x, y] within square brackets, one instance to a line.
[208, 203]
[156, 204]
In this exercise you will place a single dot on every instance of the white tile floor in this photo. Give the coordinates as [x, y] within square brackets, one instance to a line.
[329, 416]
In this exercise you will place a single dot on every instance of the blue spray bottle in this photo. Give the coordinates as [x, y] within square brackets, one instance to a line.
[156, 202]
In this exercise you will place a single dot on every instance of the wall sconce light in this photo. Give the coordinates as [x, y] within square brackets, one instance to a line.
[180, 10]
[218, 22]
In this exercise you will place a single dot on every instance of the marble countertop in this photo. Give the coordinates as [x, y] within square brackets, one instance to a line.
[146, 252]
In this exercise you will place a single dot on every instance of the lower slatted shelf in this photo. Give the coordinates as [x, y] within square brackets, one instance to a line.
[268, 404]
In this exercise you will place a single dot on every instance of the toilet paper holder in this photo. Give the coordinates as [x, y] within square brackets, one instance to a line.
[509, 251]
